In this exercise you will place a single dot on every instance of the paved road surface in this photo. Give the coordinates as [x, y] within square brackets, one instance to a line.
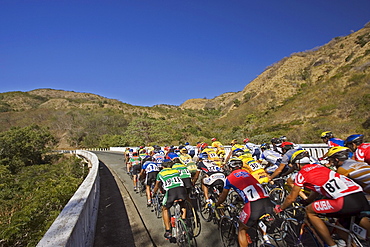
[124, 219]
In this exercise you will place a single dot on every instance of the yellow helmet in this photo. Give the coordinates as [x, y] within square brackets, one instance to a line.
[338, 152]
[298, 155]
[234, 142]
[326, 134]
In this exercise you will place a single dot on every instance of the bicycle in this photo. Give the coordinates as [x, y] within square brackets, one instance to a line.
[206, 211]
[355, 233]
[295, 228]
[257, 235]
[193, 219]
[181, 234]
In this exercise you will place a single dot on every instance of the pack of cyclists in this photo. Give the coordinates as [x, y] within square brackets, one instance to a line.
[338, 189]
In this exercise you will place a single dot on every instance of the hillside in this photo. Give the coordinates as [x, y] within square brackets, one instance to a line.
[327, 88]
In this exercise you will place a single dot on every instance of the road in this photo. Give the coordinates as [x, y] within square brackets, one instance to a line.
[124, 219]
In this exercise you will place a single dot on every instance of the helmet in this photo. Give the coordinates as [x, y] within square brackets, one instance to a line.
[234, 142]
[338, 152]
[186, 143]
[237, 152]
[264, 146]
[235, 163]
[246, 140]
[356, 139]
[301, 155]
[203, 146]
[275, 140]
[326, 134]
[286, 145]
[213, 139]
[184, 151]
[148, 158]
[203, 155]
[282, 138]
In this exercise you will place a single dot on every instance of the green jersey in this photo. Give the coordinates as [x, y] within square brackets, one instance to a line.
[183, 169]
[170, 178]
[135, 160]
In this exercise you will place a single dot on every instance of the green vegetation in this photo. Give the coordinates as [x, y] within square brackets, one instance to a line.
[35, 184]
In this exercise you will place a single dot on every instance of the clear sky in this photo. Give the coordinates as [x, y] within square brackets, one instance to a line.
[147, 52]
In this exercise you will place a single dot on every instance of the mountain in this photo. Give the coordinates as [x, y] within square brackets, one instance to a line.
[326, 88]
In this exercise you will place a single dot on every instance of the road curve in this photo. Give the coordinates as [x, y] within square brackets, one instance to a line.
[124, 219]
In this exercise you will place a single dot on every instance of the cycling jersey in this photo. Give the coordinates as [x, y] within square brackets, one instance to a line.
[212, 155]
[256, 169]
[185, 158]
[135, 160]
[159, 158]
[220, 150]
[286, 157]
[358, 171]
[362, 153]
[254, 149]
[184, 172]
[208, 167]
[271, 157]
[170, 178]
[325, 181]
[150, 166]
[334, 142]
[245, 185]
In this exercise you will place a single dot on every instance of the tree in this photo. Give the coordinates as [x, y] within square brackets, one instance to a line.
[26, 146]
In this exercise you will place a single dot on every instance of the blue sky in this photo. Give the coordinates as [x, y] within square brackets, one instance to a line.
[148, 52]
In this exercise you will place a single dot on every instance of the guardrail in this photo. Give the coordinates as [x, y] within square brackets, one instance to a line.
[315, 150]
[75, 225]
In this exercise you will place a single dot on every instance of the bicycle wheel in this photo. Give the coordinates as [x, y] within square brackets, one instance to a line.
[183, 238]
[193, 218]
[206, 211]
[308, 237]
[158, 205]
[291, 228]
[277, 196]
[142, 187]
[228, 232]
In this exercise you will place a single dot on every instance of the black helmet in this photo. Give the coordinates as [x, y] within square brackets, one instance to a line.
[340, 153]
[275, 140]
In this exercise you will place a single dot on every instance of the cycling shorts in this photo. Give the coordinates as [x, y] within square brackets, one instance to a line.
[252, 211]
[171, 195]
[136, 169]
[151, 177]
[343, 206]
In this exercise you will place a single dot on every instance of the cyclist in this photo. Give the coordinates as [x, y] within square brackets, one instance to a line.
[234, 145]
[171, 182]
[212, 155]
[254, 148]
[358, 171]
[328, 138]
[184, 157]
[127, 155]
[272, 158]
[191, 149]
[256, 199]
[150, 169]
[343, 197]
[185, 174]
[158, 156]
[134, 167]
[288, 148]
[212, 174]
[276, 145]
[219, 148]
[252, 166]
[361, 150]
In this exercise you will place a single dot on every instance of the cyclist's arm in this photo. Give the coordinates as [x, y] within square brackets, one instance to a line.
[195, 178]
[222, 197]
[277, 171]
[291, 197]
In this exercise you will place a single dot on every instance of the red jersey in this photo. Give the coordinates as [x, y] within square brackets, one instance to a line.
[325, 181]
[362, 153]
[245, 185]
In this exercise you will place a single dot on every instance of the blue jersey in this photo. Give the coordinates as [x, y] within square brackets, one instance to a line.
[150, 166]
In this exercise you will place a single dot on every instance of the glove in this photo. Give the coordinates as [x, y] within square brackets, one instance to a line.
[278, 209]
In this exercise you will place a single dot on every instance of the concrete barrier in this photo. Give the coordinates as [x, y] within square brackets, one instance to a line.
[75, 225]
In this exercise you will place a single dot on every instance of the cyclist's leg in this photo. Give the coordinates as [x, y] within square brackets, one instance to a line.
[319, 225]
[243, 220]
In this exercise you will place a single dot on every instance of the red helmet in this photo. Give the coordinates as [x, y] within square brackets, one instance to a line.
[286, 145]
[203, 146]
[246, 140]
[213, 139]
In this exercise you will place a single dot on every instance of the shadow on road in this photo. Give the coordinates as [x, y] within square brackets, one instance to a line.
[113, 226]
